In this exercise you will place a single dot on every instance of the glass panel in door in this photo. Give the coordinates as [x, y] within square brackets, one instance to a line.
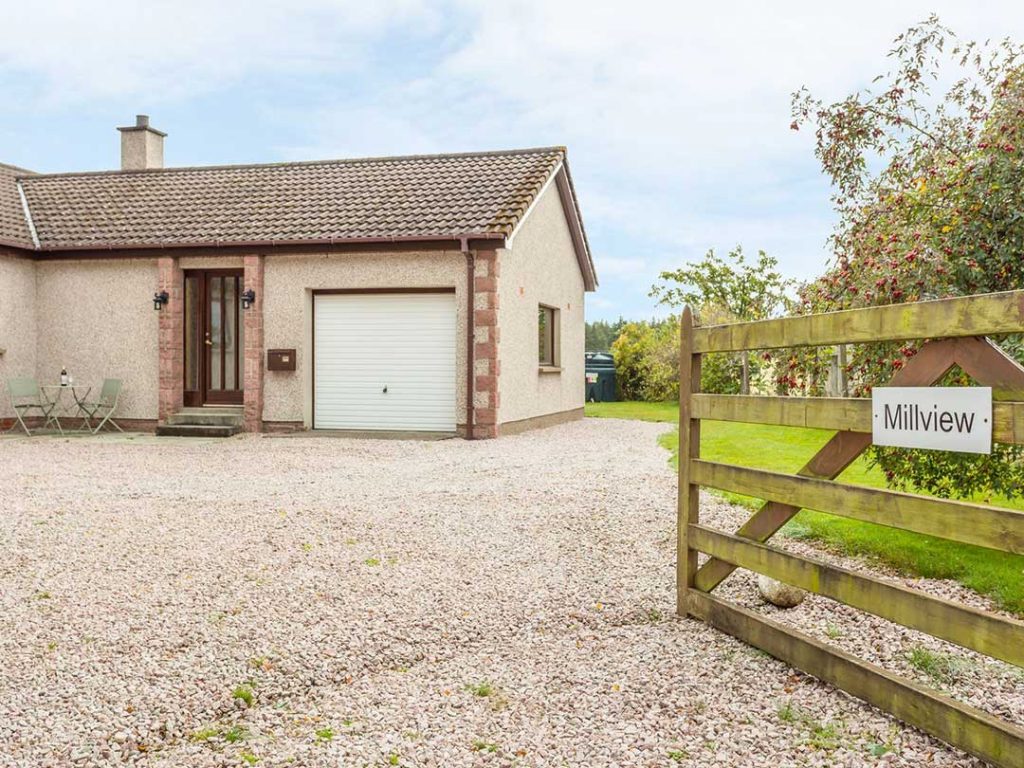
[223, 356]
[215, 334]
[230, 333]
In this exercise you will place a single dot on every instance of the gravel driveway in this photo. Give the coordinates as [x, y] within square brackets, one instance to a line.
[315, 601]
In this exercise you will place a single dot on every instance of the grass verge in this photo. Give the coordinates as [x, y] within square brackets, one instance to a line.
[999, 575]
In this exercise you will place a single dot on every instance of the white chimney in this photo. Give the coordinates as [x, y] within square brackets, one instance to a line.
[142, 147]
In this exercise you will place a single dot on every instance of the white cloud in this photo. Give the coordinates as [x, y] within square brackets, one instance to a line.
[676, 113]
[173, 49]
[364, 132]
[683, 93]
[599, 302]
[685, 89]
[616, 267]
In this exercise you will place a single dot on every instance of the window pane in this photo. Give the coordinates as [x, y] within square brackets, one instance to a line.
[215, 331]
[230, 340]
[542, 322]
[545, 324]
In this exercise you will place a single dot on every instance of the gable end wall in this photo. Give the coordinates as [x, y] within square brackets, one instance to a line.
[540, 268]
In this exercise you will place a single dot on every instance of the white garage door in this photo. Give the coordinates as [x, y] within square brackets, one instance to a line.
[384, 361]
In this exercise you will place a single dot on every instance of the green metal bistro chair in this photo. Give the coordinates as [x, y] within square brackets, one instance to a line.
[102, 409]
[27, 397]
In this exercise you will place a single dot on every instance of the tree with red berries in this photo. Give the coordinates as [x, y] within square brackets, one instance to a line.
[929, 187]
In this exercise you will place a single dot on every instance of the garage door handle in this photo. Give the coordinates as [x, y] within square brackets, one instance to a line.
[385, 389]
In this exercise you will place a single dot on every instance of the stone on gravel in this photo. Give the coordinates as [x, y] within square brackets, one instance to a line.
[778, 593]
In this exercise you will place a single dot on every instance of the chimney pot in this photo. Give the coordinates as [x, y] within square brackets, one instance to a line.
[142, 146]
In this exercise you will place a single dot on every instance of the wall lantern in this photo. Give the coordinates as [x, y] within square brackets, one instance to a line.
[159, 299]
[248, 298]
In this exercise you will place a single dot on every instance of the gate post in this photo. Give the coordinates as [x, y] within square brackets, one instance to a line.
[688, 500]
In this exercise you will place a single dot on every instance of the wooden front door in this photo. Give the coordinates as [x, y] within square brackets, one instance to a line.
[214, 337]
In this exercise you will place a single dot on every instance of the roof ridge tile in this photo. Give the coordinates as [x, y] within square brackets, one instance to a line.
[379, 160]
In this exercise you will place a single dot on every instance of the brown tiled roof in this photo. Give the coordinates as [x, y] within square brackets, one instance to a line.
[473, 194]
[13, 225]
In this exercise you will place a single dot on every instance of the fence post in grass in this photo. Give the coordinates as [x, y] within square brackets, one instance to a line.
[688, 500]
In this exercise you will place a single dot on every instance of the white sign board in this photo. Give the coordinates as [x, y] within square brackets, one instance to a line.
[939, 418]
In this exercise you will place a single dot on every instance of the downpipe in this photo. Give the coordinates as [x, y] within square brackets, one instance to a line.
[470, 333]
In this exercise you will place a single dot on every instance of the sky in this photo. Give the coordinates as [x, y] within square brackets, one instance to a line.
[676, 114]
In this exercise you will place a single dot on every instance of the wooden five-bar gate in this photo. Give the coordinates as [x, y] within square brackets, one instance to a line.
[955, 330]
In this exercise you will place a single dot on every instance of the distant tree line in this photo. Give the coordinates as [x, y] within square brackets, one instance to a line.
[601, 334]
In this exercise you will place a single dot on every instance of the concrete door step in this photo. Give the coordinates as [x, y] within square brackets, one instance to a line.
[217, 421]
[208, 418]
[197, 430]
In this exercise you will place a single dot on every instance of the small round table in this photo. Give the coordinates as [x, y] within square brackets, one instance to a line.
[54, 394]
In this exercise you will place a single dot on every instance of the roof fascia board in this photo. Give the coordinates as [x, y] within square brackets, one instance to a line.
[278, 243]
[15, 250]
[361, 245]
[579, 238]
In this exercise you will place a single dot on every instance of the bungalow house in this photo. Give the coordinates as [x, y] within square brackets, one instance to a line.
[438, 293]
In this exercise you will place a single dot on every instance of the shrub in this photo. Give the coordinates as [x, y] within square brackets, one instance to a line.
[721, 374]
[647, 360]
[647, 364]
[631, 353]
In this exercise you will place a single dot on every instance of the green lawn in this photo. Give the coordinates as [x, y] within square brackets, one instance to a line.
[786, 449]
